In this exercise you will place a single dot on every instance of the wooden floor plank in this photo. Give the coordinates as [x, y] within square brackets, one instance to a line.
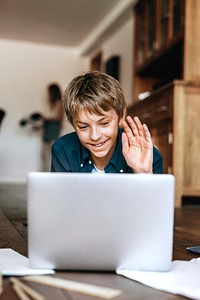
[9, 236]
[13, 205]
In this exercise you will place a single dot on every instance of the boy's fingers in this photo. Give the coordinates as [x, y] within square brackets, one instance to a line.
[147, 133]
[130, 128]
[136, 126]
[125, 142]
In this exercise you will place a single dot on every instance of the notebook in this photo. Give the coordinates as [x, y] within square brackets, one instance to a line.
[81, 221]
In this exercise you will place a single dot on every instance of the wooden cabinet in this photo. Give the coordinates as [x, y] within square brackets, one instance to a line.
[159, 40]
[159, 24]
[167, 66]
[172, 115]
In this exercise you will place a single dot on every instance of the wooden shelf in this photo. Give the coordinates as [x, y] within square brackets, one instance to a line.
[170, 71]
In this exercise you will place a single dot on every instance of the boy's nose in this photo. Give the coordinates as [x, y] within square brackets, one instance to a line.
[95, 134]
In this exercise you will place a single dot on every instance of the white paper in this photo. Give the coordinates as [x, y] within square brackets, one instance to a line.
[14, 264]
[182, 279]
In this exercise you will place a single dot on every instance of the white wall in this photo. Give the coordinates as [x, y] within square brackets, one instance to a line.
[26, 70]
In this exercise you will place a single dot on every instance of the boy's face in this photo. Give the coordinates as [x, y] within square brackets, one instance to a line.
[98, 133]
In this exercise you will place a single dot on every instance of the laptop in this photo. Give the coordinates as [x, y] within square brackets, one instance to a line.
[81, 221]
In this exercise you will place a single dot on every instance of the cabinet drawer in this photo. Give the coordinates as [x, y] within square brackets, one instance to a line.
[163, 107]
[155, 109]
[146, 115]
[144, 111]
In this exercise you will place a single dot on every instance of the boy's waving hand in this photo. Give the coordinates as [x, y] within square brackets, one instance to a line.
[137, 145]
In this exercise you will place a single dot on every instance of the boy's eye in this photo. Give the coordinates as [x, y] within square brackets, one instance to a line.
[105, 123]
[82, 127]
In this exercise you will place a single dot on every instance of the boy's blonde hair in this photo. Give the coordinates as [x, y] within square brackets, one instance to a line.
[95, 92]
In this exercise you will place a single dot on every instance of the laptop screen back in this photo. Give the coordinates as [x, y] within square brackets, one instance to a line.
[82, 221]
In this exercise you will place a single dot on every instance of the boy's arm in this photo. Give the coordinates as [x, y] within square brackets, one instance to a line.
[137, 146]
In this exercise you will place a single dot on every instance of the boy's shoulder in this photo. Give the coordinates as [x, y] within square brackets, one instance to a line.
[69, 140]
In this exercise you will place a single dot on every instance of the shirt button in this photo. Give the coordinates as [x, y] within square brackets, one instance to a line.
[121, 171]
[90, 162]
[81, 165]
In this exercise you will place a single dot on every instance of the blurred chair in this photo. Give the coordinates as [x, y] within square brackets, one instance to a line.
[2, 115]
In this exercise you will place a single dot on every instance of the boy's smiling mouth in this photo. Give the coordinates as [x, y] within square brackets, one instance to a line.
[98, 145]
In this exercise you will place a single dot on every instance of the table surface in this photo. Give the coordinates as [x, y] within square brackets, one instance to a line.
[13, 234]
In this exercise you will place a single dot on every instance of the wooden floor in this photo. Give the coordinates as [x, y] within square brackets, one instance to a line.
[13, 219]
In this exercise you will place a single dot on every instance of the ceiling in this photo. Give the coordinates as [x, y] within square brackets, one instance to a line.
[71, 23]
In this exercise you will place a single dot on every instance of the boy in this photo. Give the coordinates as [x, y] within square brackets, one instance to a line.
[104, 141]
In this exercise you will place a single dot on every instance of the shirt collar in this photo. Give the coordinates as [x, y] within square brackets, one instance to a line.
[85, 157]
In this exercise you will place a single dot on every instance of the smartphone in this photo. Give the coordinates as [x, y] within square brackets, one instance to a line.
[194, 249]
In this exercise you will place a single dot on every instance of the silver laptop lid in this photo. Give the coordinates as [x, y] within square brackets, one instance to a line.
[85, 221]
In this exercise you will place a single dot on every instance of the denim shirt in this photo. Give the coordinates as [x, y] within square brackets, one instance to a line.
[69, 155]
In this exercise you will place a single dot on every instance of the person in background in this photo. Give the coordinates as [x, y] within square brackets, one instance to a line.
[52, 123]
[105, 139]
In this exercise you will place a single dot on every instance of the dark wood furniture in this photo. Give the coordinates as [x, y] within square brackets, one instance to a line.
[96, 61]
[13, 234]
[172, 115]
[159, 43]
[167, 65]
